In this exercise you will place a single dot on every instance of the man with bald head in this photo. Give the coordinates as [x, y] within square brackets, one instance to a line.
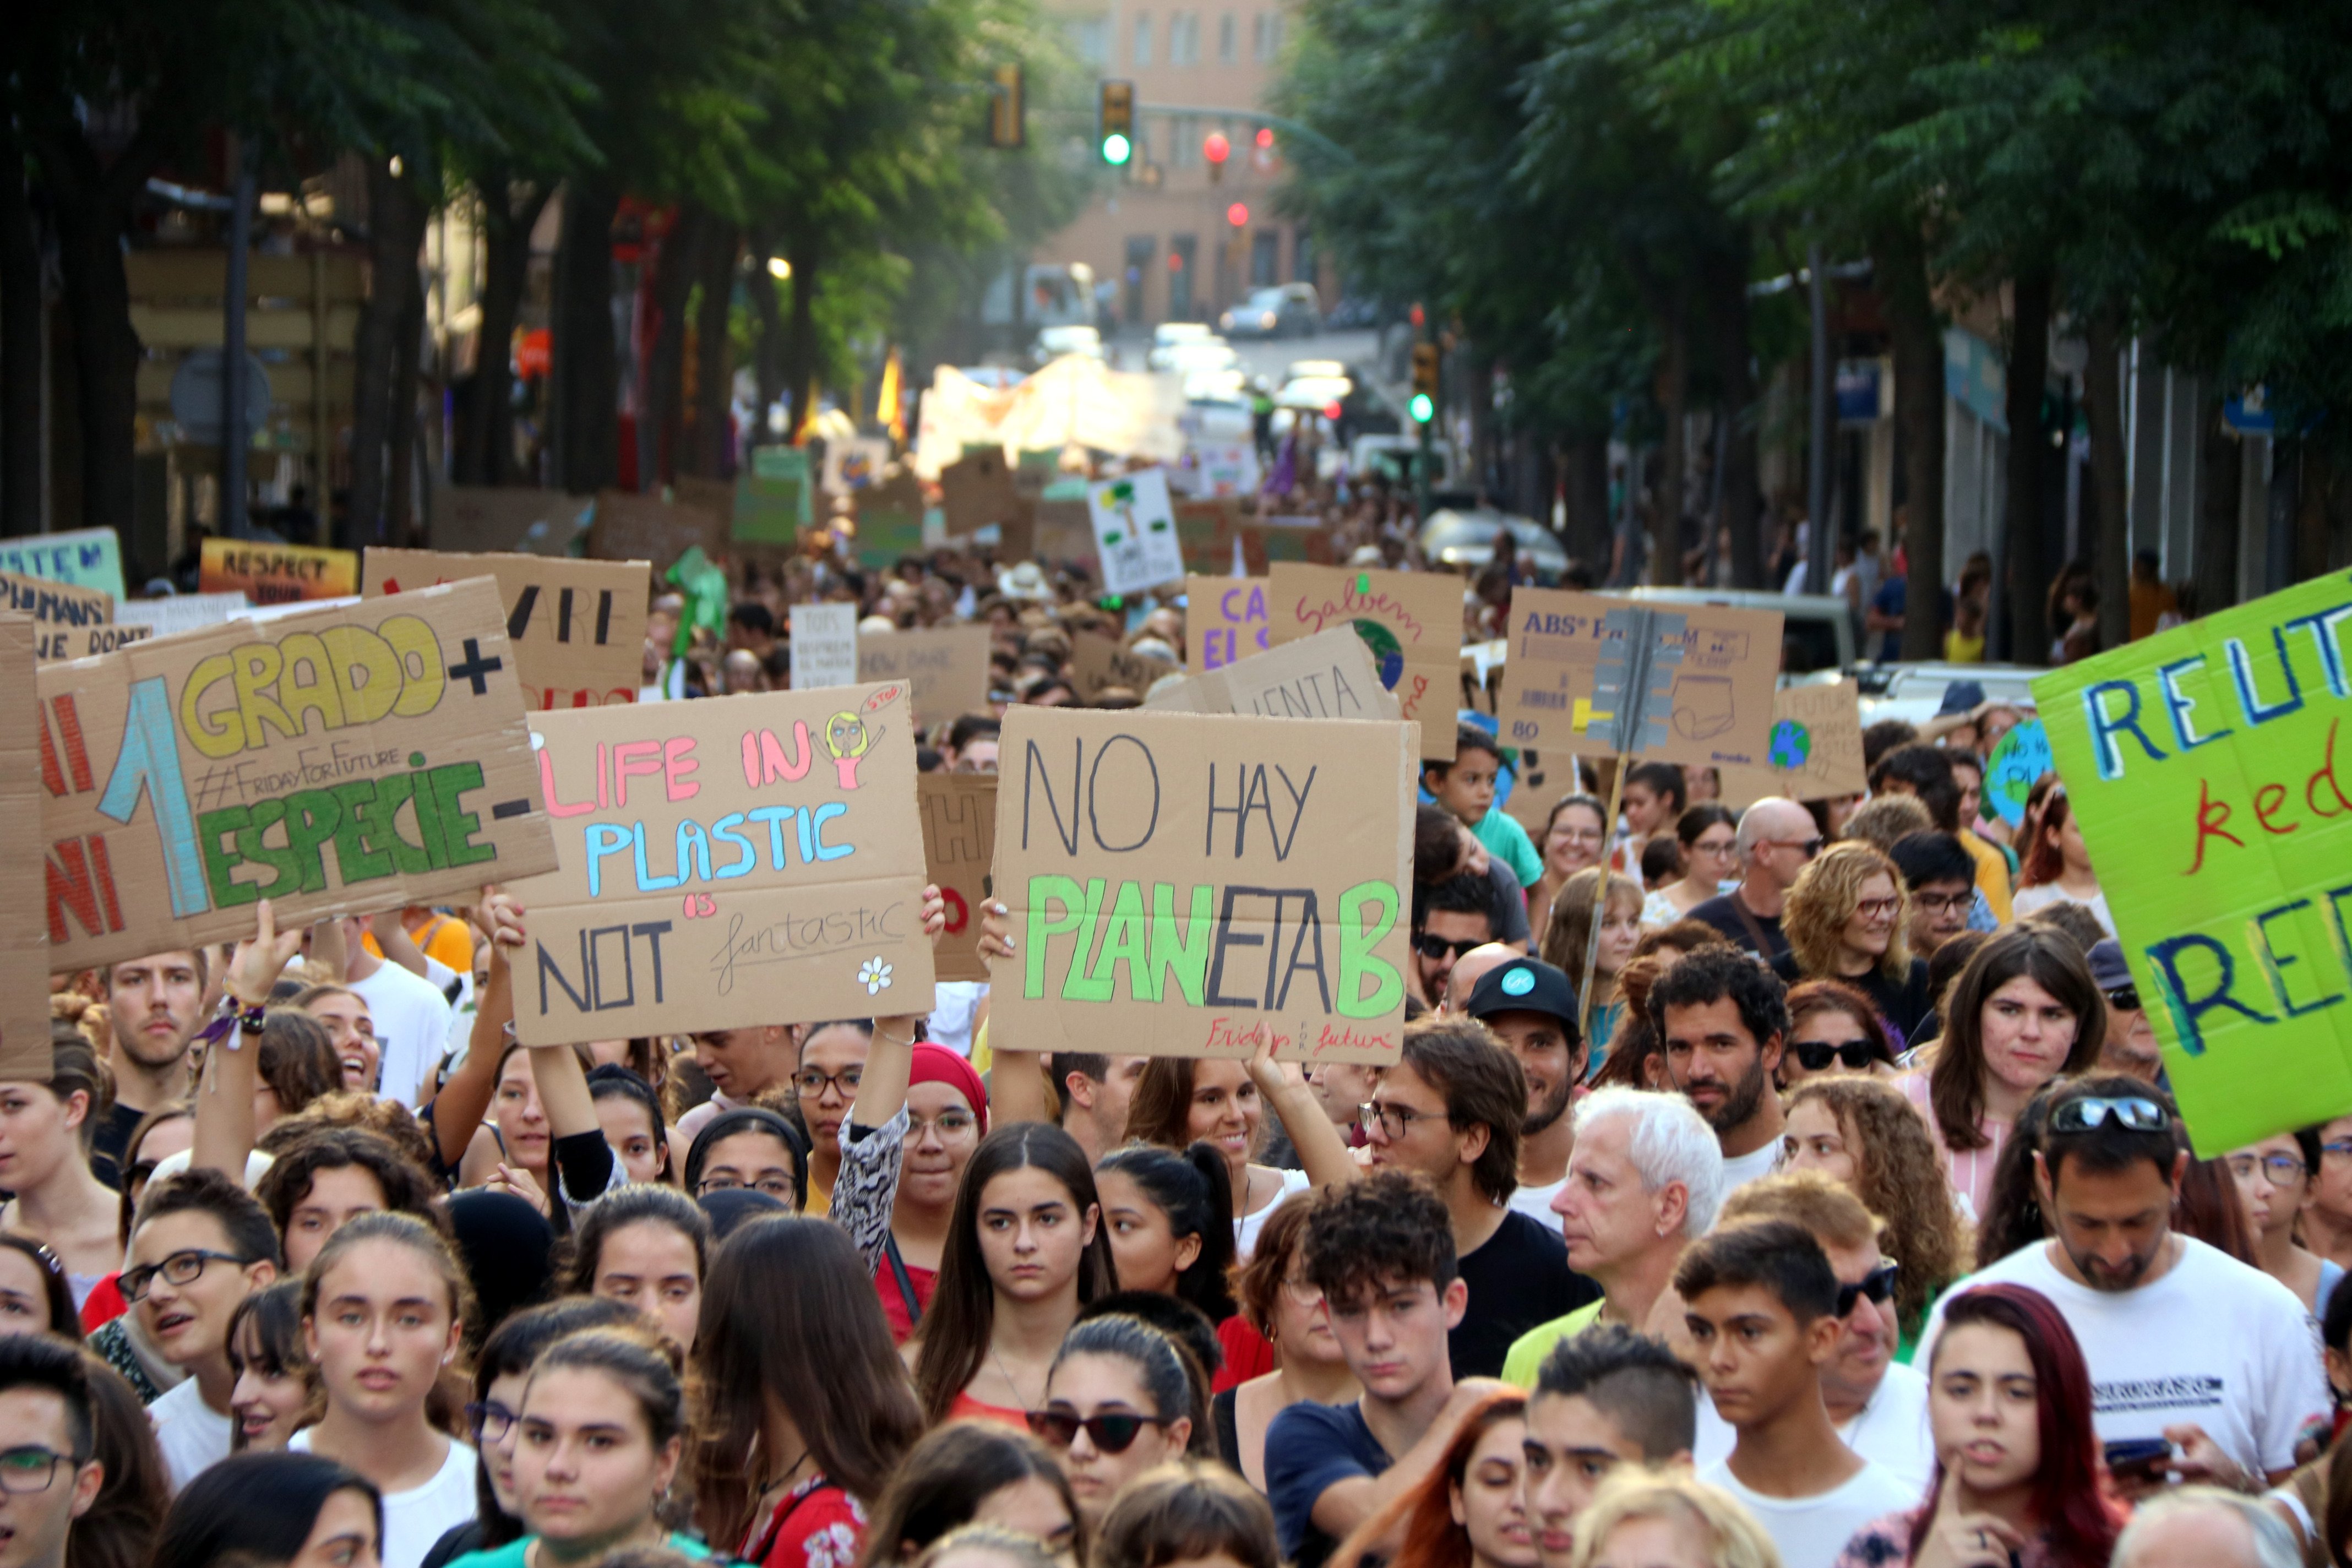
[1777, 840]
[1469, 969]
[2205, 1527]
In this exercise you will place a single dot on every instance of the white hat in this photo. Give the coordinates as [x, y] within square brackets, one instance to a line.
[1024, 581]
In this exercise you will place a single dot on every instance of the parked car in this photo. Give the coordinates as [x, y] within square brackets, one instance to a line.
[1467, 539]
[997, 377]
[1281, 310]
[1817, 633]
[1915, 691]
[1053, 343]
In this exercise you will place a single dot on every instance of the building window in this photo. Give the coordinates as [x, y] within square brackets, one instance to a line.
[1226, 29]
[1184, 251]
[1184, 38]
[1140, 54]
[1184, 143]
[1265, 35]
[1090, 40]
[1265, 250]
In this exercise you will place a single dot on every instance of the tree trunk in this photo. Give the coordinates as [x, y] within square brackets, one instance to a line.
[587, 368]
[2221, 473]
[1739, 485]
[658, 432]
[21, 387]
[800, 334]
[770, 360]
[1667, 508]
[1920, 417]
[2103, 388]
[485, 444]
[1586, 502]
[400, 438]
[714, 360]
[395, 233]
[2026, 620]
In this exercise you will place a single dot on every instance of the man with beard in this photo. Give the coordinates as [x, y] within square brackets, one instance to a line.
[1724, 1018]
[155, 1006]
[2183, 1342]
[1450, 918]
[1531, 1007]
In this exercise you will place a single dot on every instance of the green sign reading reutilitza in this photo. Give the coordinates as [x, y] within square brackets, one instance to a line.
[2208, 769]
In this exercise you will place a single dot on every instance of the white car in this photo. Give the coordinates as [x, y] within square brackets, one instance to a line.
[1914, 692]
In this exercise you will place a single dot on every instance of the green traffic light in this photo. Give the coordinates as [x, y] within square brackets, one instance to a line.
[1117, 148]
[1422, 408]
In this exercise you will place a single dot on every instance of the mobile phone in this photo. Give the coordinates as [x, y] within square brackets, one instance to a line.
[2141, 1455]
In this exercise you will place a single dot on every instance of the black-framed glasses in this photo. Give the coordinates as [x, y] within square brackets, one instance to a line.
[1112, 1431]
[1430, 946]
[2284, 1170]
[180, 1269]
[2123, 998]
[1815, 1056]
[29, 1468]
[810, 1084]
[491, 1421]
[1808, 846]
[2130, 1112]
[1396, 1120]
[774, 1186]
[1942, 903]
[1878, 1285]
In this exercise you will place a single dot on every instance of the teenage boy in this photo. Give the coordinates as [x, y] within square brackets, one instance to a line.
[1942, 880]
[1450, 1109]
[742, 1065]
[1760, 1303]
[1607, 1398]
[1777, 841]
[1095, 1093]
[1381, 1252]
[200, 1245]
[1466, 786]
[1531, 1007]
[1725, 1020]
[1924, 771]
[46, 1443]
[155, 1004]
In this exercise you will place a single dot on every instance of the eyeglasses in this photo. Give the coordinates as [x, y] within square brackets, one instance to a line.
[774, 1186]
[1810, 846]
[2341, 1146]
[1430, 946]
[1396, 1120]
[180, 1269]
[2284, 1170]
[1877, 907]
[2124, 998]
[2134, 1114]
[1878, 1285]
[812, 1084]
[952, 1126]
[1942, 903]
[491, 1421]
[1305, 1294]
[1113, 1431]
[31, 1467]
[1816, 1055]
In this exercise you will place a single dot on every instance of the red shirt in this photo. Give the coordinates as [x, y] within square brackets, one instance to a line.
[815, 1525]
[893, 1300]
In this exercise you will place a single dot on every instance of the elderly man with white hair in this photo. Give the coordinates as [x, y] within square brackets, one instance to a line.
[1647, 1179]
[1777, 840]
[2205, 1527]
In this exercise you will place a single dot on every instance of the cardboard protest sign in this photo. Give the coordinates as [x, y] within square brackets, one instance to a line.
[647, 528]
[946, 666]
[757, 860]
[958, 848]
[277, 573]
[1814, 750]
[1411, 622]
[2209, 772]
[68, 622]
[486, 518]
[852, 463]
[1204, 530]
[1190, 884]
[1225, 620]
[1097, 664]
[333, 760]
[85, 557]
[978, 490]
[2017, 763]
[890, 521]
[1219, 467]
[578, 627]
[823, 645]
[1135, 531]
[1266, 540]
[1723, 686]
[1326, 676]
[773, 504]
[23, 937]
[180, 613]
[1065, 531]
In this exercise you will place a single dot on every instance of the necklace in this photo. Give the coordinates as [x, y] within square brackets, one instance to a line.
[1006, 1373]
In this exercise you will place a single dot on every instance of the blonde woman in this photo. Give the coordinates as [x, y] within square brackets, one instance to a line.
[1844, 921]
[1667, 1519]
[1570, 929]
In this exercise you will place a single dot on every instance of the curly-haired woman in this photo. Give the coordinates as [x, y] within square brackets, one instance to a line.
[1844, 921]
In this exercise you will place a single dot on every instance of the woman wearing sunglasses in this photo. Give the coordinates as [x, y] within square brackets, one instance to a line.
[1833, 1028]
[1844, 921]
[1118, 1401]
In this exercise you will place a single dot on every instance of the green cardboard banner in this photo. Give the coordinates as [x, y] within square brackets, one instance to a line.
[771, 499]
[2210, 773]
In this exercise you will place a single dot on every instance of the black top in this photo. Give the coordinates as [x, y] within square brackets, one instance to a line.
[1741, 925]
[1309, 1448]
[1228, 1427]
[1907, 1007]
[112, 1137]
[1518, 1279]
[1507, 905]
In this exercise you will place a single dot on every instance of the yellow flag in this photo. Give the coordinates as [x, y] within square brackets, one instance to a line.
[887, 409]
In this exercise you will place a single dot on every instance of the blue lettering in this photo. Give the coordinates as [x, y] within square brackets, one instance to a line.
[2188, 1012]
[815, 831]
[603, 839]
[723, 831]
[776, 816]
[646, 881]
[2324, 636]
[2274, 963]
[2104, 729]
[693, 849]
[2242, 673]
[2179, 704]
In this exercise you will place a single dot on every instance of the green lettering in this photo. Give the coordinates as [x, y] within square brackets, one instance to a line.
[1185, 958]
[428, 820]
[312, 815]
[459, 826]
[391, 793]
[356, 855]
[253, 843]
[1078, 985]
[213, 828]
[1044, 891]
[1356, 944]
[1123, 940]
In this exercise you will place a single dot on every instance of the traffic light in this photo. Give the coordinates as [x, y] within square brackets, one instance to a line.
[1215, 150]
[1237, 214]
[1423, 407]
[1115, 123]
[1008, 109]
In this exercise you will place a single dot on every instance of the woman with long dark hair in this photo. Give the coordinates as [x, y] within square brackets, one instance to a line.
[804, 1408]
[2019, 1477]
[1121, 1399]
[648, 1247]
[1470, 1512]
[2058, 865]
[2024, 1011]
[973, 1472]
[1024, 1251]
[1169, 1222]
[264, 1510]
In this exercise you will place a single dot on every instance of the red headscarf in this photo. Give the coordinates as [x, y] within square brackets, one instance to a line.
[937, 1064]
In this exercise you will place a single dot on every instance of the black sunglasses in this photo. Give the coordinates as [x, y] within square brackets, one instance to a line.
[1438, 947]
[1815, 1055]
[2124, 998]
[1878, 1285]
[1112, 1431]
[2091, 1111]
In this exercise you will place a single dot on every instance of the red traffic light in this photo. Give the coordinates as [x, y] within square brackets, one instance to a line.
[1237, 214]
[1216, 148]
[1416, 318]
[1331, 411]
[1265, 139]
[1175, 261]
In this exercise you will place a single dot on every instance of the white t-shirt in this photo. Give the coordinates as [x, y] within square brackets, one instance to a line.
[411, 1026]
[1752, 1166]
[2032, 900]
[955, 1007]
[1891, 1430]
[1247, 1227]
[1536, 1204]
[193, 1435]
[2211, 1343]
[416, 1519]
[1811, 1531]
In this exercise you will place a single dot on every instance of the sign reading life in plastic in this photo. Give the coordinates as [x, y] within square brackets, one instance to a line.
[757, 860]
